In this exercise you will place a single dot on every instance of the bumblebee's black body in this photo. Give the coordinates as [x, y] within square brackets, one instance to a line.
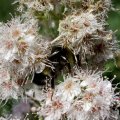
[59, 60]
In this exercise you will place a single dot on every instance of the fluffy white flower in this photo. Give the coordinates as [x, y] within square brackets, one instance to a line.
[9, 90]
[4, 75]
[83, 96]
[77, 31]
[21, 45]
[54, 110]
[17, 36]
[85, 34]
[78, 25]
[38, 5]
[74, 27]
[68, 89]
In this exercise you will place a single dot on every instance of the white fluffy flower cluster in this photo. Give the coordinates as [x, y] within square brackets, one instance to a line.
[85, 34]
[8, 86]
[83, 96]
[37, 5]
[22, 52]
[78, 25]
[21, 45]
[16, 38]
[75, 27]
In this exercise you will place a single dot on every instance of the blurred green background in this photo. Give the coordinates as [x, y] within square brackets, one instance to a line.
[7, 9]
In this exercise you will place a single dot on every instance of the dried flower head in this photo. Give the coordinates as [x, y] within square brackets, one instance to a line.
[79, 24]
[86, 36]
[75, 27]
[37, 5]
[101, 7]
